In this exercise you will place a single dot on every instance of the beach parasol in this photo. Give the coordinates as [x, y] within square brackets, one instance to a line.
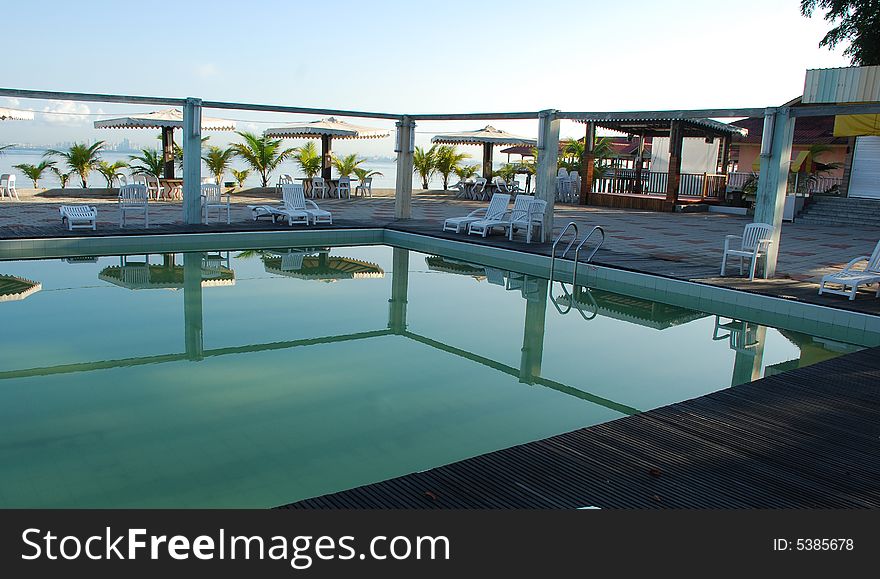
[448, 265]
[327, 130]
[321, 267]
[136, 275]
[14, 115]
[166, 120]
[14, 288]
[488, 137]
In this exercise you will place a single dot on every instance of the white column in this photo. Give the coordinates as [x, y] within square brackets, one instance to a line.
[773, 178]
[548, 157]
[192, 161]
[403, 190]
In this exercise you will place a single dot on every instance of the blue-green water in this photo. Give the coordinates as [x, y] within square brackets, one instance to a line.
[200, 382]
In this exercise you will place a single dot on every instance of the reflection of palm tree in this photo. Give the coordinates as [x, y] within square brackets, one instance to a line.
[81, 158]
[424, 163]
[262, 153]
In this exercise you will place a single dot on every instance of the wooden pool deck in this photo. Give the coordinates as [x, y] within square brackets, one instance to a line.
[808, 438]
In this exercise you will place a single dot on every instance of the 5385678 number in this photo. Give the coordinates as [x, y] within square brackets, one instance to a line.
[813, 544]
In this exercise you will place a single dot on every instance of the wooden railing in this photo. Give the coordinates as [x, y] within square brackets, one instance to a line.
[703, 185]
[797, 182]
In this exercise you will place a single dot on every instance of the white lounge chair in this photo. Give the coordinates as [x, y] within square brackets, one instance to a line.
[496, 209]
[530, 219]
[852, 278]
[753, 246]
[296, 208]
[212, 198]
[79, 216]
[134, 199]
[486, 225]
[7, 186]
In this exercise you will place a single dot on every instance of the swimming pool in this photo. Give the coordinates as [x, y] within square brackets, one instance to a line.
[256, 378]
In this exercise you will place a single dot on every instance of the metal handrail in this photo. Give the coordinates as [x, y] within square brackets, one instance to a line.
[555, 243]
[577, 251]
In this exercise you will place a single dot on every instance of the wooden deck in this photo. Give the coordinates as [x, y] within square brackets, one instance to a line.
[803, 439]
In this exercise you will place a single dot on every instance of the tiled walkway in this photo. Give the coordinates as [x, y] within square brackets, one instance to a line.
[686, 245]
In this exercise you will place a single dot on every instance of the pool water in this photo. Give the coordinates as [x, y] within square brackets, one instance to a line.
[257, 378]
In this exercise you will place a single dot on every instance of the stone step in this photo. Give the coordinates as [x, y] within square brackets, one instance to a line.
[831, 201]
[842, 214]
[840, 222]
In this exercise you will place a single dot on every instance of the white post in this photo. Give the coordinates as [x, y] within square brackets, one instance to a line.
[192, 161]
[548, 157]
[405, 146]
[773, 177]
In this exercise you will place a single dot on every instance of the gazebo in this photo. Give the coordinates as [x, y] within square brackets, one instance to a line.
[14, 115]
[138, 275]
[326, 130]
[666, 186]
[166, 120]
[488, 137]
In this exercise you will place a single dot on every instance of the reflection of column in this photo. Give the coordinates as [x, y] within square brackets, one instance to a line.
[749, 354]
[399, 290]
[192, 304]
[533, 334]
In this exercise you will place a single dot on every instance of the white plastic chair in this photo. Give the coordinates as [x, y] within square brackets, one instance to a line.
[121, 179]
[852, 278]
[478, 190]
[7, 186]
[79, 216]
[134, 199]
[365, 187]
[154, 188]
[496, 210]
[212, 198]
[530, 219]
[343, 188]
[486, 225]
[753, 246]
[319, 186]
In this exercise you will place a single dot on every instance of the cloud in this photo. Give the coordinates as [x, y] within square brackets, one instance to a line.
[67, 113]
[12, 102]
[207, 70]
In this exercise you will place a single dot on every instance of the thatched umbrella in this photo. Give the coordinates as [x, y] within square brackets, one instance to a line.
[167, 121]
[326, 130]
[145, 275]
[488, 137]
[14, 288]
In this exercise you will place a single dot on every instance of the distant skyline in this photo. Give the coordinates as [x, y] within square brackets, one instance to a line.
[405, 57]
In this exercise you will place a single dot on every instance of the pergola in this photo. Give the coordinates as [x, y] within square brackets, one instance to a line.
[488, 137]
[658, 126]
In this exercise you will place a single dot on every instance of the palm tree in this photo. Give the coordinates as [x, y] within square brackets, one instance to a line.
[240, 176]
[347, 164]
[111, 171]
[262, 153]
[4, 147]
[64, 178]
[81, 159]
[151, 162]
[424, 163]
[365, 173]
[177, 151]
[446, 160]
[308, 158]
[464, 172]
[218, 160]
[35, 172]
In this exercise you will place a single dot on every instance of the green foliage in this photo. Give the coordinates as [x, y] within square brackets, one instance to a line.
[4, 147]
[262, 153]
[217, 160]
[64, 178]
[446, 160]
[574, 150]
[81, 158]
[858, 22]
[424, 163]
[240, 176]
[347, 164]
[35, 172]
[111, 171]
[362, 173]
[466, 171]
[308, 158]
[151, 162]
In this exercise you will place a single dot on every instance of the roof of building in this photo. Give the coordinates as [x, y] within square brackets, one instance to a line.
[807, 131]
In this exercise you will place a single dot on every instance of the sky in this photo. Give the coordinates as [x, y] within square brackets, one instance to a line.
[404, 57]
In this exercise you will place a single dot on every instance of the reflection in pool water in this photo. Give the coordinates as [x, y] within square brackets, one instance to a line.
[233, 379]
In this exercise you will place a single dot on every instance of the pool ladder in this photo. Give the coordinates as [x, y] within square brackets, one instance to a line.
[571, 300]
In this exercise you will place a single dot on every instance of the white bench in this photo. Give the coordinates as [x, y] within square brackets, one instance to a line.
[79, 216]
